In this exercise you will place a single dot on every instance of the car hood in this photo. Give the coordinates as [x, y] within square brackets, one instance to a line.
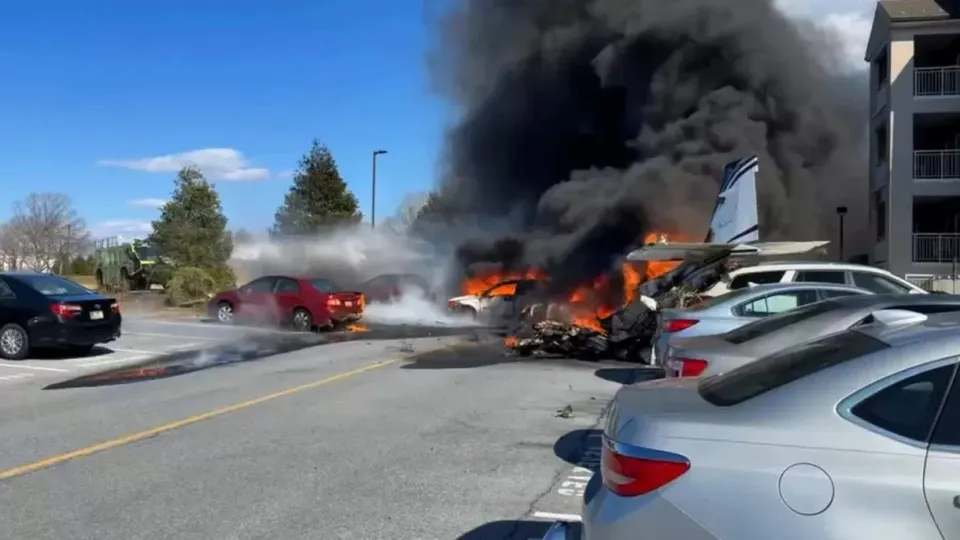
[464, 298]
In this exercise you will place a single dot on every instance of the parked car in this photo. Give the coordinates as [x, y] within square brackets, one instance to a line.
[40, 310]
[709, 355]
[876, 280]
[734, 309]
[390, 287]
[853, 435]
[495, 301]
[305, 303]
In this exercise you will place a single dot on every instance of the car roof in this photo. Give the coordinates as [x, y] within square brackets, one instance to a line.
[791, 265]
[902, 299]
[15, 273]
[772, 287]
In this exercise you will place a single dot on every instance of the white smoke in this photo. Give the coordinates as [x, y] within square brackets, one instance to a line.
[413, 308]
[349, 256]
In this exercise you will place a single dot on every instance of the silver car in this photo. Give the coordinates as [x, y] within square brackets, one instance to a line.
[854, 435]
[737, 308]
[709, 355]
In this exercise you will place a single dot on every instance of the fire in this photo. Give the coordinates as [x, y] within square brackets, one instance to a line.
[480, 284]
[357, 328]
[590, 303]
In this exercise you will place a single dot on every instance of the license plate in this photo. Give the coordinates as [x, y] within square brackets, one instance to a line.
[96, 315]
[348, 304]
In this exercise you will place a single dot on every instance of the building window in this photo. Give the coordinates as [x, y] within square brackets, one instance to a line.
[882, 67]
[881, 139]
[880, 213]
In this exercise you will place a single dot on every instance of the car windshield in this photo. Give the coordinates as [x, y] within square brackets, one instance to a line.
[50, 285]
[717, 300]
[773, 323]
[324, 285]
[783, 367]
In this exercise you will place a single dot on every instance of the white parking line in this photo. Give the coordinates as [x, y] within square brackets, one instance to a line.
[152, 334]
[134, 351]
[16, 376]
[37, 368]
[556, 516]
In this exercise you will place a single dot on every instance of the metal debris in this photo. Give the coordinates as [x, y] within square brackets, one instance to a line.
[566, 412]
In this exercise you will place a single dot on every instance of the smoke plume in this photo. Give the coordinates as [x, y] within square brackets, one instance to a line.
[584, 124]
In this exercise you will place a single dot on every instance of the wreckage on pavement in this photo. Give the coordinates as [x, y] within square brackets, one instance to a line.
[554, 328]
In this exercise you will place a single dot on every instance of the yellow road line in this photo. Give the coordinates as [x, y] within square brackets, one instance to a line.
[135, 437]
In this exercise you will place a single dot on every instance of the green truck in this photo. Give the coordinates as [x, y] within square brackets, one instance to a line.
[129, 265]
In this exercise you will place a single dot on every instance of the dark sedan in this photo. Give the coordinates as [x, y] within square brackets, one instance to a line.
[47, 311]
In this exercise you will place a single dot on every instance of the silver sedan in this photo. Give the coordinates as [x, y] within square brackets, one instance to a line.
[737, 308]
[854, 435]
[709, 355]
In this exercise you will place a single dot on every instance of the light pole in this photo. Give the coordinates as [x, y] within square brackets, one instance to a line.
[841, 211]
[373, 190]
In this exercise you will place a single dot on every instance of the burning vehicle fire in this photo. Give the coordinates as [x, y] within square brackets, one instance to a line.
[616, 314]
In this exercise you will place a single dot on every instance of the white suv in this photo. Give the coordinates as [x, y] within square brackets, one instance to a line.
[866, 277]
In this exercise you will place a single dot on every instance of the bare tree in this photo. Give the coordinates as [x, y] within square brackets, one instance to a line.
[11, 246]
[47, 231]
[406, 213]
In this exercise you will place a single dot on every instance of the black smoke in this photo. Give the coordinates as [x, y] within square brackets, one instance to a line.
[586, 123]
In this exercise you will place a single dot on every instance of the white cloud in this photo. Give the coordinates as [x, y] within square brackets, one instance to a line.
[127, 228]
[149, 203]
[218, 163]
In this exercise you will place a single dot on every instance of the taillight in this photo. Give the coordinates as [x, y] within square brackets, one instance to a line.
[331, 301]
[672, 326]
[115, 308]
[686, 367]
[65, 310]
[629, 472]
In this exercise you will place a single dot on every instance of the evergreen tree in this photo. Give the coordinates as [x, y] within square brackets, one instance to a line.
[318, 199]
[192, 229]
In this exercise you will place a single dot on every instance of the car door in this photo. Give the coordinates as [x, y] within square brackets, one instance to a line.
[907, 473]
[256, 299]
[286, 296]
[10, 309]
[941, 482]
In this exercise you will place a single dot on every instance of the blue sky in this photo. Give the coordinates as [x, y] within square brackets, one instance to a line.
[93, 91]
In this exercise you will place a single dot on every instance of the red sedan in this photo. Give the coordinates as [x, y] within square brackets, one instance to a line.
[302, 302]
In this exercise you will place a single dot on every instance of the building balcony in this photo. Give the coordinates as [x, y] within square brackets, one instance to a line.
[936, 81]
[936, 164]
[936, 247]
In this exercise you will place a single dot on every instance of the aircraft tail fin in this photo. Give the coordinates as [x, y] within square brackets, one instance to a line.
[735, 218]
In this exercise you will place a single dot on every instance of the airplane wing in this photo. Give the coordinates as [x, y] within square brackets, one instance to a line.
[694, 252]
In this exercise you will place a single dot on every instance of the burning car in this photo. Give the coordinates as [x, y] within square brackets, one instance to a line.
[488, 293]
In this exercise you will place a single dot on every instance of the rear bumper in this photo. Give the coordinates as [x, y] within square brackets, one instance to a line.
[56, 334]
[345, 317]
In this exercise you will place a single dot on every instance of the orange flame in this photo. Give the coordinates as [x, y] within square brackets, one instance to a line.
[485, 282]
[357, 328]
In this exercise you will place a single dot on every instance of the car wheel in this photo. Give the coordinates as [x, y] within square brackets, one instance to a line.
[225, 313]
[14, 342]
[302, 320]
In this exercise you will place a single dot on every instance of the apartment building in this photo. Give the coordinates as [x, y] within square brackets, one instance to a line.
[914, 55]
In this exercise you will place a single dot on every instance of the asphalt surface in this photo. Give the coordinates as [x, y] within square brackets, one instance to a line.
[420, 438]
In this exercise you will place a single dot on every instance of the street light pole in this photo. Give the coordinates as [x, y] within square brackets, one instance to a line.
[841, 211]
[373, 190]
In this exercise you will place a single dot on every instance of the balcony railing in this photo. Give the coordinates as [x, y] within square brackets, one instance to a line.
[936, 164]
[936, 81]
[936, 247]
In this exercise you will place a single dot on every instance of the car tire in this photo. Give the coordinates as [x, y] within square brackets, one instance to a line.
[302, 320]
[14, 342]
[225, 313]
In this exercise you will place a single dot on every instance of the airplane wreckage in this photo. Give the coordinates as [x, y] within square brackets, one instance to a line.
[733, 241]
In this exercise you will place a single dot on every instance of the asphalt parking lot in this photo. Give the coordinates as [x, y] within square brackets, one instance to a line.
[143, 338]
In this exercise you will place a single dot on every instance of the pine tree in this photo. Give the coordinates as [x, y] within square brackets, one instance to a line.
[318, 199]
[192, 229]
